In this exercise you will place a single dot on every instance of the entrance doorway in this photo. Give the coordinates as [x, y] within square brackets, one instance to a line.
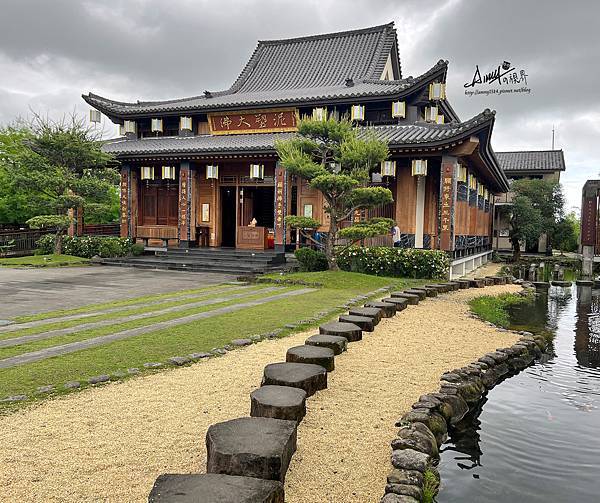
[228, 220]
[258, 203]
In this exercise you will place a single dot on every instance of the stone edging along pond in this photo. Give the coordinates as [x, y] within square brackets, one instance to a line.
[415, 452]
[248, 457]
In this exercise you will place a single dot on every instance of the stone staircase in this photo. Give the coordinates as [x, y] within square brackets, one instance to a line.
[218, 260]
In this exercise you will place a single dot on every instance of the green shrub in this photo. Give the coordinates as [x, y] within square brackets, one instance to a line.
[89, 246]
[137, 249]
[311, 260]
[397, 262]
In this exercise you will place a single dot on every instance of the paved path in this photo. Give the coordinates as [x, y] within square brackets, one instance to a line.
[29, 291]
[125, 334]
[16, 341]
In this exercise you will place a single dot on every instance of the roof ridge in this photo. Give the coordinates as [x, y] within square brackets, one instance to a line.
[528, 151]
[324, 36]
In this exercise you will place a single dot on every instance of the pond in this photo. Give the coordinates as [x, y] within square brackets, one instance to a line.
[536, 436]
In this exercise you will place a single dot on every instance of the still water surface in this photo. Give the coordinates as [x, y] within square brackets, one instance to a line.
[536, 436]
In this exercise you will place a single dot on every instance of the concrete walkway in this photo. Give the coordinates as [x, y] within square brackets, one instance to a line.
[42, 354]
[29, 291]
[16, 341]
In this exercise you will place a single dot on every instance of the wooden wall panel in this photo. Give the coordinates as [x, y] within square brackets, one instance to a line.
[406, 200]
[430, 221]
[461, 221]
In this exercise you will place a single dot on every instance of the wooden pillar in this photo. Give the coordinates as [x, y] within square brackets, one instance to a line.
[420, 211]
[447, 202]
[185, 196]
[281, 197]
[125, 206]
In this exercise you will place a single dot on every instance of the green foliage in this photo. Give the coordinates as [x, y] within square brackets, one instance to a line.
[311, 260]
[525, 223]
[296, 222]
[431, 486]
[398, 262]
[49, 222]
[495, 309]
[368, 229]
[90, 246]
[336, 161]
[566, 233]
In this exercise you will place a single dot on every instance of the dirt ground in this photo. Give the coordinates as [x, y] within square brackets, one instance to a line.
[109, 444]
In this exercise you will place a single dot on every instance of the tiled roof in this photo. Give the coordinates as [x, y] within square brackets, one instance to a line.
[531, 160]
[397, 135]
[308, 69]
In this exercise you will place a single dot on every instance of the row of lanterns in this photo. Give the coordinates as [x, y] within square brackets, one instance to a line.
[167, 173]
[471, 181]
[257, 171]
[418, 167]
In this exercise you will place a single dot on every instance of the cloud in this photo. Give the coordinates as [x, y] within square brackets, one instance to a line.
[51, 52]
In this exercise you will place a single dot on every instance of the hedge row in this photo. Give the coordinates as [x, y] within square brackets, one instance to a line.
[90, 246]
[398, 262]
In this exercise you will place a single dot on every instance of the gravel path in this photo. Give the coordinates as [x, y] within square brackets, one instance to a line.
[110, 443]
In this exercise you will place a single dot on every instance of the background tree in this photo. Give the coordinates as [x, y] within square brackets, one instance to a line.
[548, 198]
[525, 223]
[337, 162]
[58, 165]
[566, 234]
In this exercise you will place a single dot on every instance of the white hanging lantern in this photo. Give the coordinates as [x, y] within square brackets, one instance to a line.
[95, 115]
[357, 113]
[461, 173]
[121, 129]
[419, 167]
[212, 172]
[486, 194]
[388, 168]
[168, 172]
[399, 109]
[431, 114]
[437, 91]
[257, 171]
[185, 123]
[472, 182]
[130, 127]
[156, 125]
[319, 114]
[480, 189]
[147, 173]
[440, 119]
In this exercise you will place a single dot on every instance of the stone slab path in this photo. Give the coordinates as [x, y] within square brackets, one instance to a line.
[42, 354]
[16, 341]
[111, 443]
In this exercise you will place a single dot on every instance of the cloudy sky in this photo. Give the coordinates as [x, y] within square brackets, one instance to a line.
[51, 51]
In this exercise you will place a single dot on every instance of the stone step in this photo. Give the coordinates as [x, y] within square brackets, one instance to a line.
[215, 488]
[421, 293]
[278, 402]
[399, 302]
[350, 331]
[387, 308]
[496, 279]
[477, 283]
[429, 292]
[413, 299]
[311, 354]
[333, 342]
[561, 283]
[371, 312]
[440, 287]
[309, 377]
[260, 447]
[454, 285]
[364, 322]
[486, 281]
[464, 283]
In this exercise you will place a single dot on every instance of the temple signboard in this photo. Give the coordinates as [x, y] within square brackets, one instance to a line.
[447, 207]
[588, 221]
[124, 202]
[254, 121]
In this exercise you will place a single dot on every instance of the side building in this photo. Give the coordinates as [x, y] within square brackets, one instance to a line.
[520, 165]
[197, 171]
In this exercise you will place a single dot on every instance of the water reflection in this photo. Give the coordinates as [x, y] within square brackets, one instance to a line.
[534, 437]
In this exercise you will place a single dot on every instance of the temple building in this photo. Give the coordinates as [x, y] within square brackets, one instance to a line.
[203, 171]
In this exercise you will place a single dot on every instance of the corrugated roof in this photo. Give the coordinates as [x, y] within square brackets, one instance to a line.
[420, 133]
[531, 160]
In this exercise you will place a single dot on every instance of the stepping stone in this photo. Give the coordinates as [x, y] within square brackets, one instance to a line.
[584, 282]
[309, 377]
[99, 379]
[311, 354]
[486, 281]
[503, 280]
[496, 279]
[350, 331]
[441, 288]
[72, 384]
[260, 447]
[454, 285]
[399, 302]
[214, 488]
[429, 292]
[179, 360]
[333, 342]
[371, 312]
[561, 283]
[241, 342]
[387, 308]
[415, 291]
[541, 285]
[278, 402]
[364, 322]
[412, 298]
[477, 283]
[464, 283]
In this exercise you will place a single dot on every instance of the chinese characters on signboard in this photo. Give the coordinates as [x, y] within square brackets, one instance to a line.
[184, 180]
[254, 121]
[447, 203]
[280, 177]
[124, 203]
[588, 222]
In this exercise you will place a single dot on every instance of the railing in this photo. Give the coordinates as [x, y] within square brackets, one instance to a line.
[101, 229]
[19, 243]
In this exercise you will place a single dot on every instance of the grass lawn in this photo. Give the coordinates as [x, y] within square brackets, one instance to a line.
[335, 289]
[43, 261]
[495, 309]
